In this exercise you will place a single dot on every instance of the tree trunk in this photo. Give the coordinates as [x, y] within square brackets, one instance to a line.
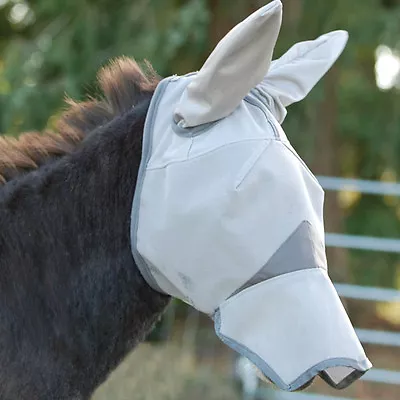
[225, 14]
[327, 162]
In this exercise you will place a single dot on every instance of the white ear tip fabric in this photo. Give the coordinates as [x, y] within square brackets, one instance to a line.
[270, 8]
[335, 42]
[237, 64]
[344, 35]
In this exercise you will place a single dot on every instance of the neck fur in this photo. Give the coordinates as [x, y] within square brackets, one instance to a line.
[72, 301]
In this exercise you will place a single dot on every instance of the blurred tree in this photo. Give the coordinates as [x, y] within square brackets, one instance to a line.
[52, 47]
[347, 126]
[390, 3]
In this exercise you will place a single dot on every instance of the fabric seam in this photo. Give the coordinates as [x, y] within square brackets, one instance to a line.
[250, 164]
[215, 149]
[146, 154]
[275, 278]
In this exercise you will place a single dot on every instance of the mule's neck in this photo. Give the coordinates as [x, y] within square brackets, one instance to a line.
[72, 301]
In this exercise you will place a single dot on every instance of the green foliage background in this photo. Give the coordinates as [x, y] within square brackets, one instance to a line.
[49, 48]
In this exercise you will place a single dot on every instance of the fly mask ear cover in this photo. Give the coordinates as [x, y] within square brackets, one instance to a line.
[227, 217]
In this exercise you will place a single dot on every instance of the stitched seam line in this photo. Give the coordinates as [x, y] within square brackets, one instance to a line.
[280, 277]
[211, 151]
[250, 163]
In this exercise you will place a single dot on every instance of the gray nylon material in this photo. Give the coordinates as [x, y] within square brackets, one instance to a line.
[302, 250]
[361, 367]
[150, 273]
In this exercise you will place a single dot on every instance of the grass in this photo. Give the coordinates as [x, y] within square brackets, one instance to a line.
[165, 372]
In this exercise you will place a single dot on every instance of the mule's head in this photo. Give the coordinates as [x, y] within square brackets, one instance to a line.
[227, 217]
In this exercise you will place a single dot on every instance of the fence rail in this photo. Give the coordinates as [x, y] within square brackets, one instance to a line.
[362, 242]
[367, 293]
[383, 338]
[368, 336]
[358, 185]
[382, 376]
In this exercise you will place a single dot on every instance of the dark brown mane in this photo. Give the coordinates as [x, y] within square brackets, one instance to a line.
[122, 83]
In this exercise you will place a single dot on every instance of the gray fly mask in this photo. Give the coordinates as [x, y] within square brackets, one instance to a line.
[228, 218]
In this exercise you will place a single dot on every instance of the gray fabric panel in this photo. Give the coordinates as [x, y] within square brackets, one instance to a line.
[359, 367]
[302, 250]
